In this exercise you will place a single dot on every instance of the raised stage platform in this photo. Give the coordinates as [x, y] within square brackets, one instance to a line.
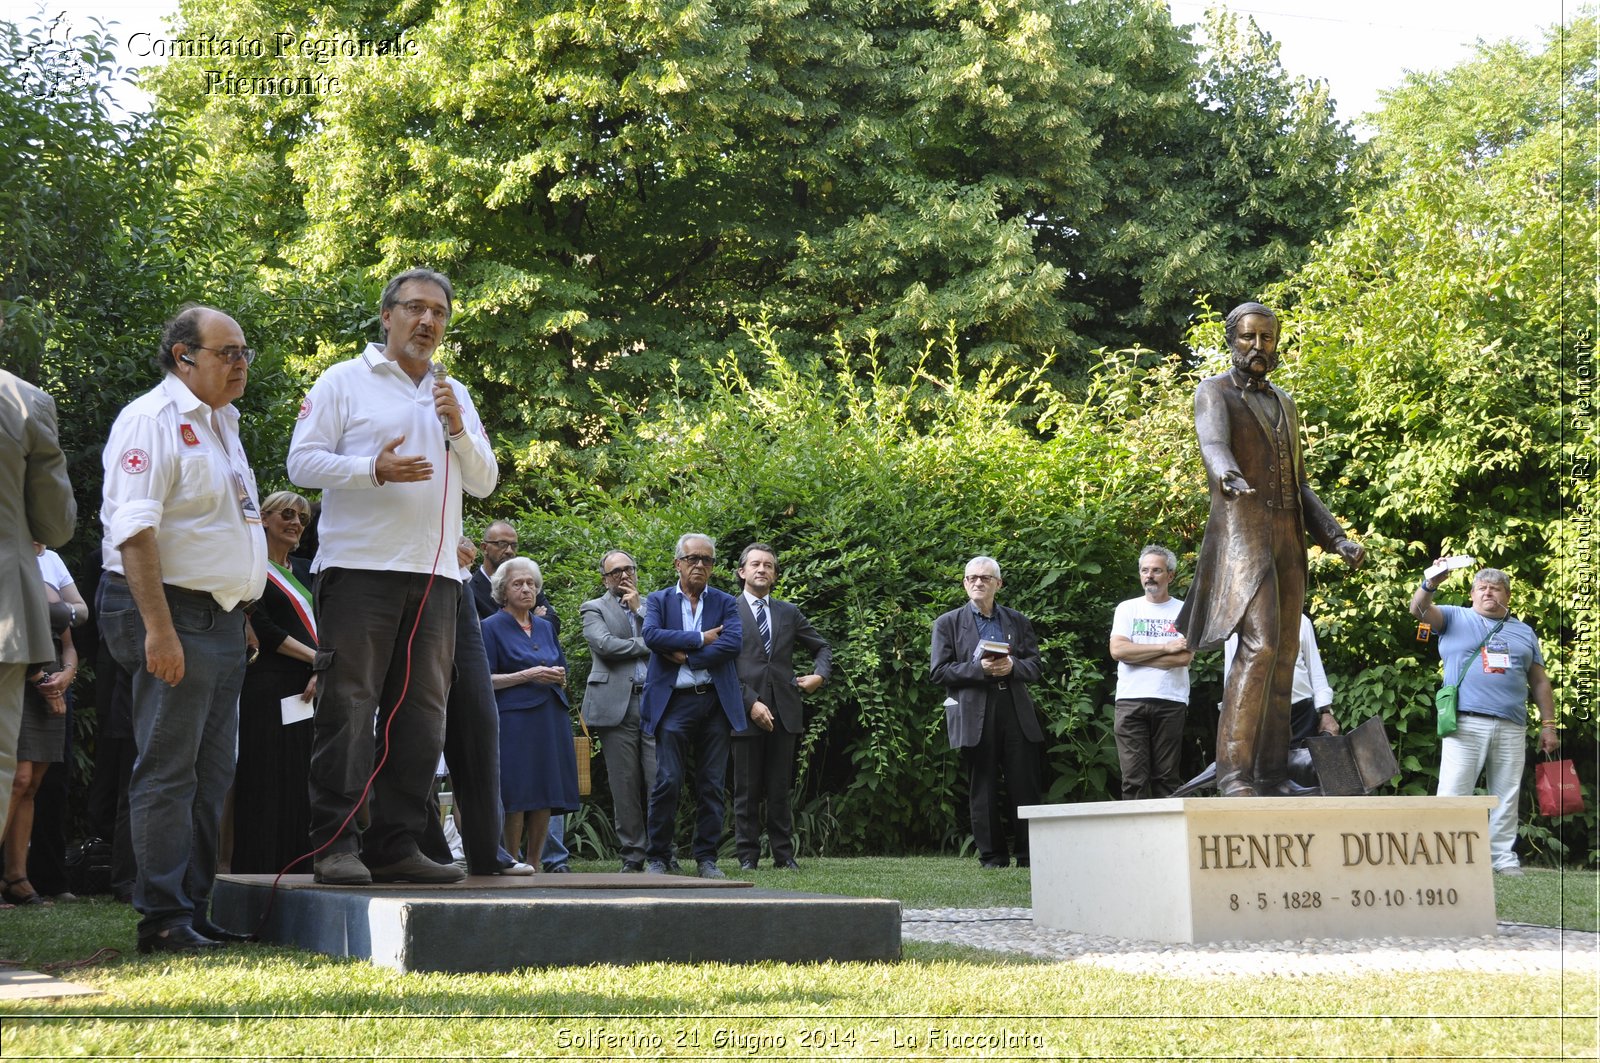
[501, 923]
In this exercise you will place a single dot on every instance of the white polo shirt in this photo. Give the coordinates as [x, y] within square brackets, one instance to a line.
[168, 468]
[348, 417]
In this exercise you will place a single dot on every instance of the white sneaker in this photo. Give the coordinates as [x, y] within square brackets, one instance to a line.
[518, 868]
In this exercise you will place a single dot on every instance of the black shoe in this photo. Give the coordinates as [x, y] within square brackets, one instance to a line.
[1023, 861]
[176, 939]
[557, 869]
[207, 929]
[786, 865]
[655, 867]
[747, 865]
[632, 867]
[709, 869]
[994, 865]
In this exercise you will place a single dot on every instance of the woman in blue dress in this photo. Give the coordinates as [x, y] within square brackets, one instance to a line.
[538, 769]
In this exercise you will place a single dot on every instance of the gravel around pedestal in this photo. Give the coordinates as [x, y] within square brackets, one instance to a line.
[1517, 949]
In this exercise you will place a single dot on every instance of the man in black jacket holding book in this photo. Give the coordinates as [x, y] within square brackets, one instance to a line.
[985, 655]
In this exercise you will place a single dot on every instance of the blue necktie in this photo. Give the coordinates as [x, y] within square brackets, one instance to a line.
[761, 622]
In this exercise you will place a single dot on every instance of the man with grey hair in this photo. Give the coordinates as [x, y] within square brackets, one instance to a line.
[692, 700]
[388, 584]
[1152, 680]
[1495, 659]
[184, 552]
[985, 655]
[613, 626]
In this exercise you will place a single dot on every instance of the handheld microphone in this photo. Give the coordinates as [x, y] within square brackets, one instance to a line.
[441, 377]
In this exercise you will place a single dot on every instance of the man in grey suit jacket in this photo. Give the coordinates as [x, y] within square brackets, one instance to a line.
[763, 755]
[36, 503]
[611, 625]
[988, 714]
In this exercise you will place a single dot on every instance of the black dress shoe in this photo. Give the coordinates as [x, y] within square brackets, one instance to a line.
[632, 867]
[206, 928]
[747, 865]
[176, 939]
[786, 865]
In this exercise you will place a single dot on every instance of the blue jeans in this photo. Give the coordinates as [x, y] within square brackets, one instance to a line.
[185, 736]
[690, 720]
[554, 854]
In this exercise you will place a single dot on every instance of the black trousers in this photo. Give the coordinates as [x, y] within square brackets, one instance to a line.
[472, 752]
[1003, 755]
[763, 770]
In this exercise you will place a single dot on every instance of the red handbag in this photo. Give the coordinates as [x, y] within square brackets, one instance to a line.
[1557, 785]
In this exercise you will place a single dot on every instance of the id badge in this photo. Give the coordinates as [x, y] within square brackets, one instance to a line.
[247, 505]
[1495, 662]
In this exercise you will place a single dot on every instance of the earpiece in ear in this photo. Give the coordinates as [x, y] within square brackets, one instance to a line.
[185, 359]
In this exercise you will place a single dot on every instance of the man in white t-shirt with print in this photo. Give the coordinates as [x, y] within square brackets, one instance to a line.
[1152, 680]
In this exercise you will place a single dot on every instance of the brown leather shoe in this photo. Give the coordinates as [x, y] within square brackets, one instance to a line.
[417, 868]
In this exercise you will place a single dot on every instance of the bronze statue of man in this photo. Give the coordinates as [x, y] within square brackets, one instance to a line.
[1251, 577]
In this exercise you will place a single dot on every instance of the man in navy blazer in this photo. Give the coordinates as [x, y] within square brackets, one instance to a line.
[989, 714]
[691, 699]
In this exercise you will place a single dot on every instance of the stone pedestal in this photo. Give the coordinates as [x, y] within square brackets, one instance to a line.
[1261, 869]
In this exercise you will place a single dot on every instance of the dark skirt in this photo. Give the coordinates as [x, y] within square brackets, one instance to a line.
[43, 737]
[538, 768]
[271, 785]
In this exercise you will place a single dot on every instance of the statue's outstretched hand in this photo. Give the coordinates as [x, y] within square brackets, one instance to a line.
[1352, 552]
[1234, 485]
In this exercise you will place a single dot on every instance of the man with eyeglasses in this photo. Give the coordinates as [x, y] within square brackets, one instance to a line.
[184, 552]
[391, 441]
[613, 626]
[985, 655]
[1152, 680]
[499, 546]
[691, 700]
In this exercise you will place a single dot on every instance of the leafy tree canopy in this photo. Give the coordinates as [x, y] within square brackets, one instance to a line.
[617, 185]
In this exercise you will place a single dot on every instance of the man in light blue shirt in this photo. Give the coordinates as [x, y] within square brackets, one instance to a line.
[1504, 669]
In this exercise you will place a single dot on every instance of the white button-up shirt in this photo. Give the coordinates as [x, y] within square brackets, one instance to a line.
[168, 468]
[348, 417]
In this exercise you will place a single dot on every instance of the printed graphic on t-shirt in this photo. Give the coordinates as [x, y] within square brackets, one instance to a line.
[1154, 627]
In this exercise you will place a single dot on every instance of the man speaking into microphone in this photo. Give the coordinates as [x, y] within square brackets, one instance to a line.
[392, 442]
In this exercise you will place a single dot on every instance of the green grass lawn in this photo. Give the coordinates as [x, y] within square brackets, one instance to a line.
[939, 1002]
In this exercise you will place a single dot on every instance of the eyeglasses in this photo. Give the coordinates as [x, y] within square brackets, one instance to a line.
[620, 570]
[698, 559]
[418, 308]
[231, 354]
[292, 515]
[504, 544]
[980, 579]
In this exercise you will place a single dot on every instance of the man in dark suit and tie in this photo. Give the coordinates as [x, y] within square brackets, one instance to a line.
[763, 755]
[691, 699]
[499, 546]
[37, 502]
[612, 625]
[988, 713]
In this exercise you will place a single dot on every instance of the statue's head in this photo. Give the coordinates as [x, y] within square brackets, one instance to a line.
[1252, 334]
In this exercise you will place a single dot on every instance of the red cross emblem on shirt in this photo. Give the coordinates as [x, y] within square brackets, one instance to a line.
[135, 461]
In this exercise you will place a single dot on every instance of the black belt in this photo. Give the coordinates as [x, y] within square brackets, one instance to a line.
[1485, 715]
[182, 592]
[1002, 685]
[698, 688]
[638, 688]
